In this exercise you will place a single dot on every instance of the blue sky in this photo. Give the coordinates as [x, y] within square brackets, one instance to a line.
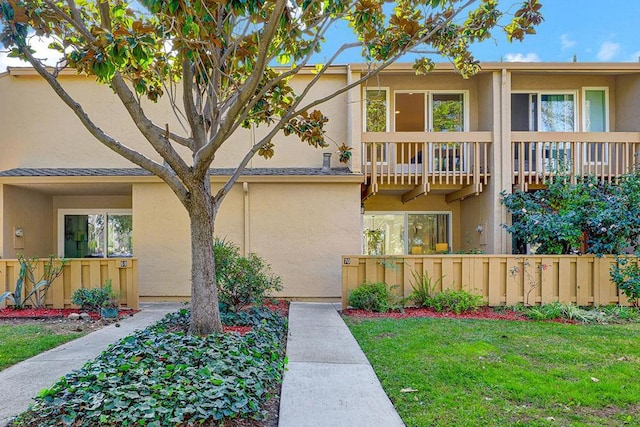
[593, 30]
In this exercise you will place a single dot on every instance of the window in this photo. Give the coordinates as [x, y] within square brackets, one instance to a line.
[430, 111]
[376, 111]
[544, 112]
[376, 119]
[95, 234]
[595, 119]
[434, 112]
[398, 233]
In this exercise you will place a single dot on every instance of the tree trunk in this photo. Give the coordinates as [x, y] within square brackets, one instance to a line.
[205, 314]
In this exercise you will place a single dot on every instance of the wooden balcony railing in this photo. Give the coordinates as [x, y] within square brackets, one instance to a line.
[425, 158]
[538, 156]
[80, 273]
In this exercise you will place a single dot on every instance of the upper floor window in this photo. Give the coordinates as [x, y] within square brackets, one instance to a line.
[376, 111]
[544, 112]
[95, 233]
[430, 111]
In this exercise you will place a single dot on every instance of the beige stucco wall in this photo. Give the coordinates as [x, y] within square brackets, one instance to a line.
[430, 203]
[30, 211]
[301, 229]
[58, 139]
[3, 231]
[628, 103]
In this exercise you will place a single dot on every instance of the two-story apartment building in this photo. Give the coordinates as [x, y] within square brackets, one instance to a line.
[431, 155]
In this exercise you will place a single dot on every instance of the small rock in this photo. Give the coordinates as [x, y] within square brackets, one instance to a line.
[117, 325]
[79, 329]
[74, 316]
[85, 316]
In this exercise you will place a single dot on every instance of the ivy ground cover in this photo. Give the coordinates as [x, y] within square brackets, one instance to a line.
[460, 372]
[162, 376]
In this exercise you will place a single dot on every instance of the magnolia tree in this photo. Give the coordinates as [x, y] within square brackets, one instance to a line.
[222, 54]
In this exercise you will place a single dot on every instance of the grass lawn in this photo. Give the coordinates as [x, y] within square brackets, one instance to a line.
[20, 342]
[504, 373]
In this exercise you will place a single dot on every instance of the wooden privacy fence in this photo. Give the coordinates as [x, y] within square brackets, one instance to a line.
[80, 273]
[500, 279]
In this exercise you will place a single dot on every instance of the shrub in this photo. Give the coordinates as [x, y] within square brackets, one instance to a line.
[424, 295]
[94, 298]
[626, 275]
[423, 288]
[455, 301]
[242, 280]
[372, 297]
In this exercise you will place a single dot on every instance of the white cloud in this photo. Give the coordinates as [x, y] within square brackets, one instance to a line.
[520, 57]
[635, 56]
[608, 51]
[566, 42]
[42, 51]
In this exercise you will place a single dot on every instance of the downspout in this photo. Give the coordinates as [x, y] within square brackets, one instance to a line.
[349, 115]
[247, 234]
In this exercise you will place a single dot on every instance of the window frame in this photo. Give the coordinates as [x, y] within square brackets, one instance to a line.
[428, 106]
[576, 105]
[607, 121]
[387, 91]
[384, 147]
[405, 236]
[75, 211]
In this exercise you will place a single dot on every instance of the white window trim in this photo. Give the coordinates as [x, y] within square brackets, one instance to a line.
[385, 148]
[63, 212]
[465, 106]
[386, 89]
[583, 123]
[406, 225]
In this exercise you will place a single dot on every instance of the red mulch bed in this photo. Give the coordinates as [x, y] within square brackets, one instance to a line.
[52, 313]
[482, 314]
[280, 305]
[239, 329]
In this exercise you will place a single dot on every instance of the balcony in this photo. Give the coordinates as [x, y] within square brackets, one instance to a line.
[539, 156]
[418, 163]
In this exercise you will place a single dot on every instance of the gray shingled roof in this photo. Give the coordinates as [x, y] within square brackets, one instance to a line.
[22, 172]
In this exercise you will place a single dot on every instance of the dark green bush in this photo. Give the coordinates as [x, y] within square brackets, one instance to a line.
[626, 275]
[454, 301]
[163, 377]
[92, 299]
[242, 280]
[372, 297]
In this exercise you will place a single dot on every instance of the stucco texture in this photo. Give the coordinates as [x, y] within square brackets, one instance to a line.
[301, 229]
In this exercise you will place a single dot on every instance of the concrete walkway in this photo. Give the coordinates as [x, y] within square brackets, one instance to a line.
[21, 382]
[329, 381]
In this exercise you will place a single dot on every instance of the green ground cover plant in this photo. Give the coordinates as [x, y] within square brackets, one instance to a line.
[162, 376]
[20, 342]
[556, 310]
[455, 372]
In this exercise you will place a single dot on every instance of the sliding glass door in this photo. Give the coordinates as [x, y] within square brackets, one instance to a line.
[401, 233]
